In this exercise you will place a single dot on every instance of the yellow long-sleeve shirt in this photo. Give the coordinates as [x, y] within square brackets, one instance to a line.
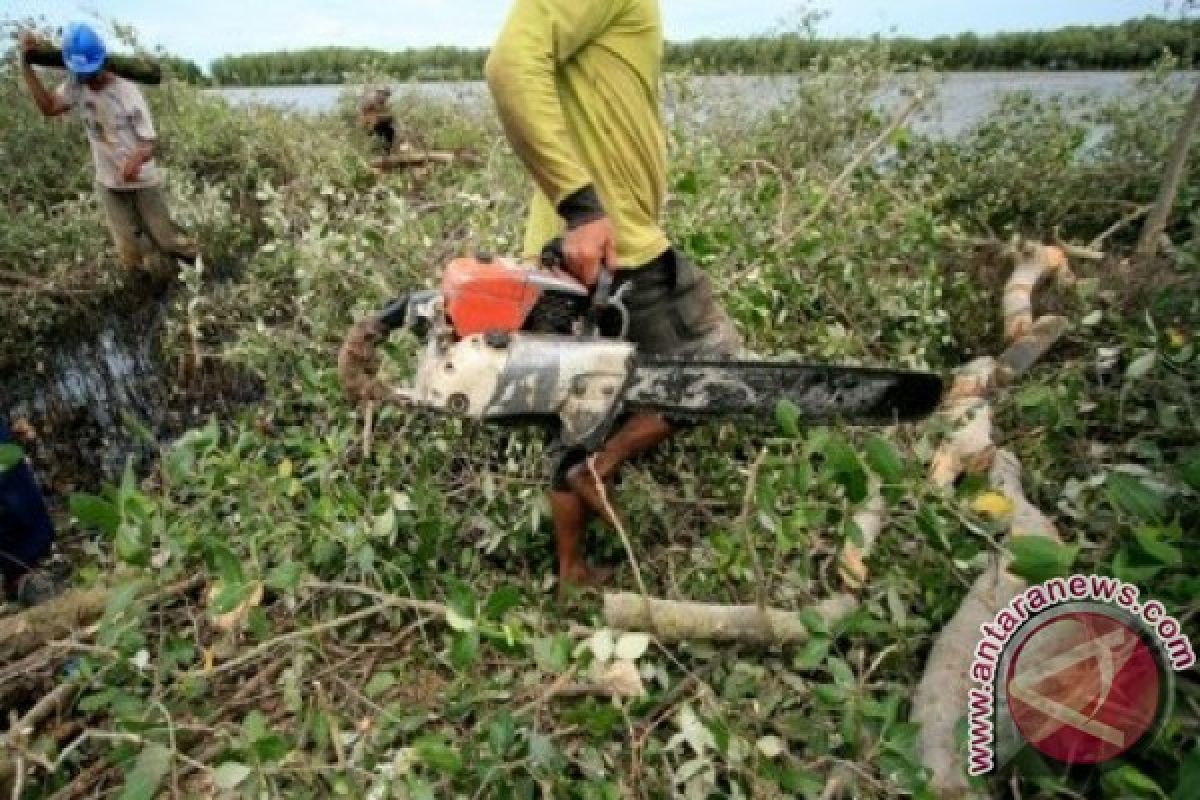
[576, 85]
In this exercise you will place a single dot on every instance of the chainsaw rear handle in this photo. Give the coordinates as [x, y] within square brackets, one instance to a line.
[604, 302]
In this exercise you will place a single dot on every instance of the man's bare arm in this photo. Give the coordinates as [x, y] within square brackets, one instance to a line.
[49, 103]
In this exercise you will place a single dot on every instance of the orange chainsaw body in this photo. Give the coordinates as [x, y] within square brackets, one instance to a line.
[486, 295]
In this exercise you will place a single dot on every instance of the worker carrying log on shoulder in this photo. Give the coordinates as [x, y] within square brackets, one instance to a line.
[576, 84]
[375, 116]
[122, 138]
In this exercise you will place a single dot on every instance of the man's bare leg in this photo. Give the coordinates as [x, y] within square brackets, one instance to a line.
[570, 514]
[640, 433]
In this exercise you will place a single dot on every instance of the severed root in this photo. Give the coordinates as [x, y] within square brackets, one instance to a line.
[358, 362]
[1036, 263]
[673, 621]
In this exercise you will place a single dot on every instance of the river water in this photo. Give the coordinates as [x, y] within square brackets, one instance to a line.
[962, 100]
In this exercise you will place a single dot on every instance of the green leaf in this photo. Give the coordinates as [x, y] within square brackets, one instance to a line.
[1141, 366]
[435, 752]
[501, 601]
[230, 775]
[95, 513]
[552, 653]
[148, 773]
[847, 469]
[1038, 558]
[379, 683]
[1129, 494]
[271, 749]
[599, 720]
[884, 460]
[461, 599]
[1189, 468]
[464, 649]
[813, 653]
[255, 726]
[842, 674]
[1128, 781]
[224, 562]
[812, 619]
[385, 524]
[285, 577]
[501, 733]
[1150, 540]
[229, 597]
[787, 417]
[1189, 777]
[687, 183]
[10, 456]
[131, 546]
[543, 754]
[458, 622]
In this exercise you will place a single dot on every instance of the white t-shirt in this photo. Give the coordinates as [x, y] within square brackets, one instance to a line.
[117, 121]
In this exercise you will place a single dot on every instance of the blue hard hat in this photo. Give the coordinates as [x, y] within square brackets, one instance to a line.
[83, 50]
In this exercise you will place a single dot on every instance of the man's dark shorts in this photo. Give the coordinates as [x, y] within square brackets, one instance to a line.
[673, 313]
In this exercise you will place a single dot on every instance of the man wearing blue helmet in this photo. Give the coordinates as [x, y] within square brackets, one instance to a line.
[122, 138]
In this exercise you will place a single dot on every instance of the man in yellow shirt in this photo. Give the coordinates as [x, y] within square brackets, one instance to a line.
[576, 85]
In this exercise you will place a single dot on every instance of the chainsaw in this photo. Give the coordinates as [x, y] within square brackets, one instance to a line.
[506, 342]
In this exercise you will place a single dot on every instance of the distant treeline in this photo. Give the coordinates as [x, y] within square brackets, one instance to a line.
[1130, 45]
[183, 69]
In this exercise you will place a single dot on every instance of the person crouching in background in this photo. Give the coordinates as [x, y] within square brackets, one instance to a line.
[376, 117]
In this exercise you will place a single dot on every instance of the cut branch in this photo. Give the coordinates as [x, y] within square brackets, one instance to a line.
[1156, 223]
[673, 621]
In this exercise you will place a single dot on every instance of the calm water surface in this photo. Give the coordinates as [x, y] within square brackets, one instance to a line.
[963, 98]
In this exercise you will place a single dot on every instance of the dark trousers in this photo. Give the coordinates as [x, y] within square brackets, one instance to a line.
[26, 532]
[386, 133]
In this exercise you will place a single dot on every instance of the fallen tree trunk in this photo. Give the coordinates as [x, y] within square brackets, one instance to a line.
[941, 697]
[140, 69]
[940, 701]
[673, 621]
[67, 614]
[408, 160]
[23, 633]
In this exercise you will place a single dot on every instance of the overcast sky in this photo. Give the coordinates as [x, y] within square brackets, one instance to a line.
[202, 30]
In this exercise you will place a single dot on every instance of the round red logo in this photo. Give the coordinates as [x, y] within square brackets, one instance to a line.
[1083, 687]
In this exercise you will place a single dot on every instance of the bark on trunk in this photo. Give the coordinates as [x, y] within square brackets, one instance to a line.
[1156, 223]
